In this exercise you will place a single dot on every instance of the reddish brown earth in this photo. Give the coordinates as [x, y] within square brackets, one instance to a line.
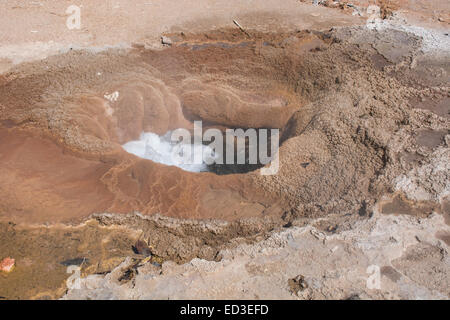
[62, 137]
[353, 110]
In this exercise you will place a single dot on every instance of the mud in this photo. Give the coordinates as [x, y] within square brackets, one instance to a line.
[400, 205]
[431, 139]
[341, 98]
[444, 236]
[42, 256]
[268, 85]
[440, 107]
[104, 241]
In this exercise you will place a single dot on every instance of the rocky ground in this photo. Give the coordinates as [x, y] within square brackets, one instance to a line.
[358, 210]
[407, 255]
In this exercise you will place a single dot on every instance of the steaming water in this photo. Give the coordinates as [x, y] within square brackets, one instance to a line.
[161, 149]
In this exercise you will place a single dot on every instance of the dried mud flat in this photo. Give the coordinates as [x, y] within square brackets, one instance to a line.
[363, 179]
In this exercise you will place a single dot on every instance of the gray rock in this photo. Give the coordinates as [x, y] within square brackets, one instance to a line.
[166, 41]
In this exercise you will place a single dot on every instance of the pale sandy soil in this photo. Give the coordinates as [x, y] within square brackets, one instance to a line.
[34, 29]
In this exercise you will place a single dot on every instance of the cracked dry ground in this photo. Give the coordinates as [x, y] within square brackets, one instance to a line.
[362, 114]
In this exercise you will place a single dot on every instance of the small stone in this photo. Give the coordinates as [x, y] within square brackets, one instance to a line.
[142, 248]
[166, 41]
[304, 164]
[7, 265]
[74, 262]
[297, 284]
[318, 235]
[332, 229]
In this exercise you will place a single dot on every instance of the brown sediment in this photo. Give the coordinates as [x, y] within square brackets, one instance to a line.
[44, 253]
[391, 273]
[439, 106]
[43, 182]
[444, 236]
[62, 161]
[400, 205]
[445, 207]
[62, 123]
[431, 138]
[40, 253]
[61, 134]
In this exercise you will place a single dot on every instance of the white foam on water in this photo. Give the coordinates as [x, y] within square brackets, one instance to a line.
[163, 150]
